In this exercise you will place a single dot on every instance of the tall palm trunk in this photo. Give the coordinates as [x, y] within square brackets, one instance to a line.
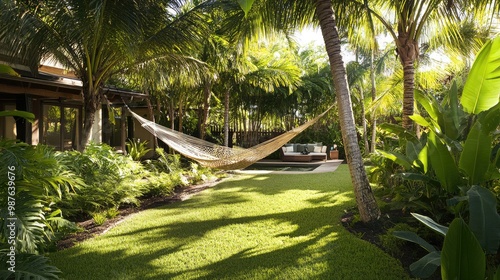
[226, 117]
[180, 118]
[363, 121]
[171, 113]
[374, 50]
[374, 97]
[407, 49]
[207, 92]
[91, 101]
[367, 205]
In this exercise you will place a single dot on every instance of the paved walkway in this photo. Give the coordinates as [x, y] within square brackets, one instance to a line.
[325, 166]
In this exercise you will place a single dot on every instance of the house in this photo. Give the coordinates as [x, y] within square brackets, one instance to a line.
[54, 97]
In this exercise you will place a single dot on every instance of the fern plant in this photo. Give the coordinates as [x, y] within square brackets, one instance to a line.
[40, 182]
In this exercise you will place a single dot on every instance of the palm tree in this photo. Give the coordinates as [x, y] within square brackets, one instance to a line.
[99, 38]
[288, 14]
[408, 23]
[367, 205]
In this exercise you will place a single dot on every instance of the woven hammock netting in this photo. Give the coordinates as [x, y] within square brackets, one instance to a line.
[217, 156]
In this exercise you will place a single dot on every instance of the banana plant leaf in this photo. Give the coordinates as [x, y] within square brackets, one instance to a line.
[27, 115]
[427, 265]
[462, 256]
[484, 219]
[475, 157]
[443, 164]
[481, 88]
[431, 223]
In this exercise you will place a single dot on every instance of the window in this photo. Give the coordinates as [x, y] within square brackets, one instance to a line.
[60, 127]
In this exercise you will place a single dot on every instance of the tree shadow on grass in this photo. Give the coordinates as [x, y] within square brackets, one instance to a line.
[325, 250]
[306, 242]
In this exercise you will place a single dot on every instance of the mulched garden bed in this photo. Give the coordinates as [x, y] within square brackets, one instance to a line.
[409, 252]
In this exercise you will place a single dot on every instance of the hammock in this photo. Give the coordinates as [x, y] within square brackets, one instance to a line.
[217, 156]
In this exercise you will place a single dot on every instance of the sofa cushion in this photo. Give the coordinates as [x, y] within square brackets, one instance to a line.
[310, 147]
[323, 149]
[317, 149]
[300, 148]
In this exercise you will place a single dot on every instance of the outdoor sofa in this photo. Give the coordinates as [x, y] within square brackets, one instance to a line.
[295, 152]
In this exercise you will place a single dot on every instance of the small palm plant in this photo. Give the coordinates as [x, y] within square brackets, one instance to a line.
[137, 149]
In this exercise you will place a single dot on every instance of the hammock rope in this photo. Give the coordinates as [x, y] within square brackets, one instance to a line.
[217, 156]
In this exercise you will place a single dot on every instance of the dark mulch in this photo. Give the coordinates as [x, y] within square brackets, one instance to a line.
[409, 252]
[90, 229]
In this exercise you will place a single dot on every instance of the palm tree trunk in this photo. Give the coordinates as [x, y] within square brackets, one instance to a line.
[363, 121]
[180, 113]
[407, 49]
[171, 113]
[374, 97]
[207, 90]
[367, 205]
[226, 117]
[91, 103]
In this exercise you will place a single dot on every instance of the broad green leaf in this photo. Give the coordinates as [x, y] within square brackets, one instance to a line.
[423, 157]
[475, 157]
[418, 119]
[427, 265]
[431, 223]
[430, 105]
[455, 200]
[481, 90]
[397, 158]
[462, 256]
[449, 126]
[419, 177]
[399, 131]
[246, 5]
[484, 220]
[412, 150]
[7, 70]
[30, 266]
[443, 164]
[490, 120]
[493, 171]
[454, 108]
[413, 237]
[27, 115]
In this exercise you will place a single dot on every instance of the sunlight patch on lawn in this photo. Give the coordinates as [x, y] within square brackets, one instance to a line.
[274, 227]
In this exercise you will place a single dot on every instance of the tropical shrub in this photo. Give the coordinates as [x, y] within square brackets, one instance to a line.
[457, 158]
[459, 145]
[36, 182]
[466, 248]
[110, 179]
[137, 149]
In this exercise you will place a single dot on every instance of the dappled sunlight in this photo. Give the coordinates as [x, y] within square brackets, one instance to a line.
[274, 227]
[260, 178]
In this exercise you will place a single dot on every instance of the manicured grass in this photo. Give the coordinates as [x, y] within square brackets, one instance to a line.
[249, 227]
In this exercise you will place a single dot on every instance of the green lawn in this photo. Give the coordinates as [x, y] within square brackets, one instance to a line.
[248, 227]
